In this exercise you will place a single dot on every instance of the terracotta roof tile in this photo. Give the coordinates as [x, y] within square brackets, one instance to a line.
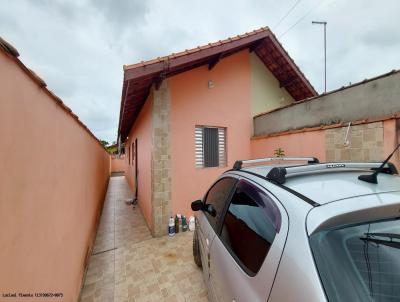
[8, 48]
[195, 49]
[39, 79]
[148, 72]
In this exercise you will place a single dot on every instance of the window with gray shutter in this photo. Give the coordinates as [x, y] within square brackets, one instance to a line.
[210, 147]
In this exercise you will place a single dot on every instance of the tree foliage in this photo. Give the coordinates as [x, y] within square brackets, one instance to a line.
[104, 143]
[279, 152]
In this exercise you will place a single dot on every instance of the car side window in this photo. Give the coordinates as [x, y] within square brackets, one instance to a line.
[250, 226]
[217, 197]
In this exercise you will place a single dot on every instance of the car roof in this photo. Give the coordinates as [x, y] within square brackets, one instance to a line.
[327, 186]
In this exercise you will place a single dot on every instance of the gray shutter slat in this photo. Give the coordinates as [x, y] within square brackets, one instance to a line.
[210, 147]
[222, 150]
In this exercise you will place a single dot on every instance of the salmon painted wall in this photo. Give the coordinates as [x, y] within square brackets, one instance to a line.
[193, 103]
[310, 143]
[117, 164]
[141, 131]
[53, 179]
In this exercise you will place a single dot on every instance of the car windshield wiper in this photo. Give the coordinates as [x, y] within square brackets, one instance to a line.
[390, 243]
[387, 235]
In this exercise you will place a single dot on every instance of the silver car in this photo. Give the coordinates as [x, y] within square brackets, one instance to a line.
[311, 232]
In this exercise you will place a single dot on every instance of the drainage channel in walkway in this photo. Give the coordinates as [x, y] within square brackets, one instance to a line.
[128, 265]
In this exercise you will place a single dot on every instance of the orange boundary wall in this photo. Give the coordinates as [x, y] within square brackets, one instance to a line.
[54, 175]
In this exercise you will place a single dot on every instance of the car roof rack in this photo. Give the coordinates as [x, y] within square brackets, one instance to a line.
[239, 163]
[278, 174]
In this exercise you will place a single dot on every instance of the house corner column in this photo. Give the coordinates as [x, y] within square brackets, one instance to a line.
[161, 160]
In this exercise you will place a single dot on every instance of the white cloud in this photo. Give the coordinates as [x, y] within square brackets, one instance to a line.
[79, 47]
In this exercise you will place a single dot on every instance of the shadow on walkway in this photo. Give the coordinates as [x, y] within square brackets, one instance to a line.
[128, 265]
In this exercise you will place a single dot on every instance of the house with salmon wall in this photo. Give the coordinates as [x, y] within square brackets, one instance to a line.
[187, 117]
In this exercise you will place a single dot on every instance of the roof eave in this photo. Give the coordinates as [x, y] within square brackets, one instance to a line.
[177, 63]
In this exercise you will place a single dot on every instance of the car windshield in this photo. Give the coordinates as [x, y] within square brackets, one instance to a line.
[359, 262]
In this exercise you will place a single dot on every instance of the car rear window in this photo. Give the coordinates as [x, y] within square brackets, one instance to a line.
[359, 262]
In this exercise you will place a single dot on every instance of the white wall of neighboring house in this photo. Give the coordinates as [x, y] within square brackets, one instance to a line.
[265, 92]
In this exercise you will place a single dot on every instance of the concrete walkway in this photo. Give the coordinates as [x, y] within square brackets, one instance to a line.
[129, 265]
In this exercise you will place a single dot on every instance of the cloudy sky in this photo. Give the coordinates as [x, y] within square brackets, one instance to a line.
[79, 47]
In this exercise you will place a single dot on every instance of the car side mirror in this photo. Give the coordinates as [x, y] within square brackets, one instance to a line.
[197, 205]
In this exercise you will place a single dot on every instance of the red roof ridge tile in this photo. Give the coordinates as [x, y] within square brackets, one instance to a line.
[41, 82]
[195, 49]
[294, 63]
[4, 45]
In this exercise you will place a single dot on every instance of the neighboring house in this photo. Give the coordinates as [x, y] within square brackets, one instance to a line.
[187, 117]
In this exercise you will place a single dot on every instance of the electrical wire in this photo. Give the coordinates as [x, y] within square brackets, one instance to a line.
[287, 14]
[301, 18]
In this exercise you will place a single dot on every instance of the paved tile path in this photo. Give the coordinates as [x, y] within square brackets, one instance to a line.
[129, 265]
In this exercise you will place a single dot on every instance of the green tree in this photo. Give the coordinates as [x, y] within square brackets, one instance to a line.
[104, 143]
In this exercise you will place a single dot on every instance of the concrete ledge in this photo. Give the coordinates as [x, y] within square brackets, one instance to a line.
[370, 99]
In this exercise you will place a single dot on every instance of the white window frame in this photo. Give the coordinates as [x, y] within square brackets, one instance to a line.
[199, 146]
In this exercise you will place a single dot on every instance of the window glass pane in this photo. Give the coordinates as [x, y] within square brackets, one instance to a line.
[361, 262]
[217, 196]
[250, 226]
[211, 151]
